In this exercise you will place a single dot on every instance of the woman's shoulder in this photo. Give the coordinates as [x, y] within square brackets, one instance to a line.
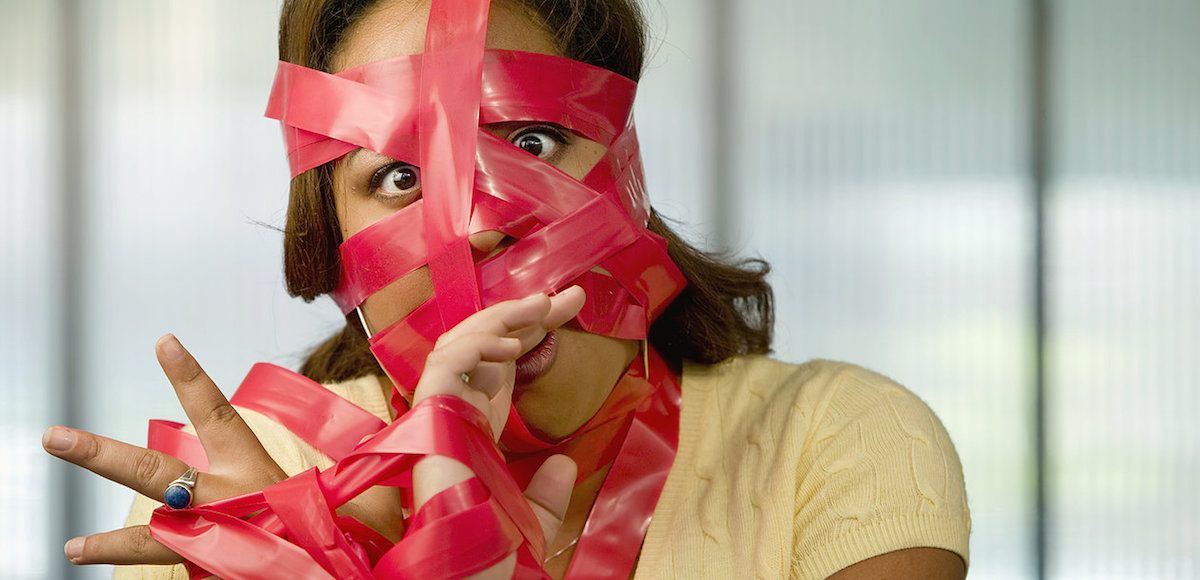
[809, 405]
[857, 463]
[813, 387]
[768, 371]
[367, 391]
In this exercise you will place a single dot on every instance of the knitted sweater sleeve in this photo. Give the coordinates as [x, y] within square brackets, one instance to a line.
[877, 473]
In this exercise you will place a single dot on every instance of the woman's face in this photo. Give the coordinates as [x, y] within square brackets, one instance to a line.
[369, 186]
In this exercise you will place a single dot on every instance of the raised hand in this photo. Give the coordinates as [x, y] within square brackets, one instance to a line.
[482, 349]
[238, 463]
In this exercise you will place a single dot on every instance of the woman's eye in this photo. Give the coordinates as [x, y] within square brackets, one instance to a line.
[543, 142]
[396, 180]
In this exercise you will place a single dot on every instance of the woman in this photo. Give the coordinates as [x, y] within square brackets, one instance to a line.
[762, 468]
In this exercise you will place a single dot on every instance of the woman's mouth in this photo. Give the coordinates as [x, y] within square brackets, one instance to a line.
[536, 362]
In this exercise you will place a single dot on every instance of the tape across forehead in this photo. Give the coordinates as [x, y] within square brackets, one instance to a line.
[375, 106]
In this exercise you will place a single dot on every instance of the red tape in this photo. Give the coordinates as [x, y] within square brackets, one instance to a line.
[314, 413]
[451, 80]
[428, 108]
[295, 521]
[170, 438]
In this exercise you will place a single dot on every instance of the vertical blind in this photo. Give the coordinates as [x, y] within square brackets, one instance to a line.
[1124, 290]
[881, 163]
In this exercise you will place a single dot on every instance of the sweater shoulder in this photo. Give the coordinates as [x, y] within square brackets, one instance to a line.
[811, 385]
[808, 468]
[801, 404]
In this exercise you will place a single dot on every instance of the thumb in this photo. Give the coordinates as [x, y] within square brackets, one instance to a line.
[549, 493]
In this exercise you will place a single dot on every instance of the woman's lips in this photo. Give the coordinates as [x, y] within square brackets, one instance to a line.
[536, 362]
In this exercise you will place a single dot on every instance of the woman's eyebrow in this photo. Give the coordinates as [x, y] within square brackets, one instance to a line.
[351, 156]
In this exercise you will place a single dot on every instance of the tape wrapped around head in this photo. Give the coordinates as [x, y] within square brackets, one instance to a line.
[513, 193]
[427, 109]
[566, 229]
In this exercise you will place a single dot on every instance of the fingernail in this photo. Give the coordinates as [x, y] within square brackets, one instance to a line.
[172, 349]
[74, 549]
[576, 287]
[58, 439]
[512, 342]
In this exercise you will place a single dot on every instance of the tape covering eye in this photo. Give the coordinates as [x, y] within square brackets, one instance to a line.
[427, 109]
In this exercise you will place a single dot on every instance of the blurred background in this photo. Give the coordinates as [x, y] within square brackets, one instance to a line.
[994, 203]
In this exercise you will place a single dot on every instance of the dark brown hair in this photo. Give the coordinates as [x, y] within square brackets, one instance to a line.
[725, 311]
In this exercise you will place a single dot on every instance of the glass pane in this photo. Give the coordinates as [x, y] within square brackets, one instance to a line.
[1125, 282]
[881, 163]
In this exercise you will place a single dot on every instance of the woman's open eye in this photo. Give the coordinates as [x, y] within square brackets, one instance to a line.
[396, 180]
[542, 141]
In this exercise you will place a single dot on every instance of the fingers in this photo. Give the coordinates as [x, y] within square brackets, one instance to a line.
[483, 347]
[501, 319]
[218, 425]
[497, 334]
[142, 470]
[549, 493]
[495, 381]
[132, 545]
[564, 306]
[493, 378]
[446, 365]
[537, 313]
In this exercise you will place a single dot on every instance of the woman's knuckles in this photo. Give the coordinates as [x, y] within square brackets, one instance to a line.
[440, 357]
[148, 470]
[132, 545]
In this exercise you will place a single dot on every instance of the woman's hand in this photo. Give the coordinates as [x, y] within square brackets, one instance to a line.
[238, 464]
[483, 348]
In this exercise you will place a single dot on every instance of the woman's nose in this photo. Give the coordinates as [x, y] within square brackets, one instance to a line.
[487, 243]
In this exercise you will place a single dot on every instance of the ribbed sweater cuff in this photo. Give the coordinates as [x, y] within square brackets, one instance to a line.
[879, 538]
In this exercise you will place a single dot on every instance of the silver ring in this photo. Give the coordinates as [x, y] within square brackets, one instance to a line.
[466, 379]
[179, 493]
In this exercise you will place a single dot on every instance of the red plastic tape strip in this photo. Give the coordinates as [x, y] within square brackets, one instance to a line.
[428, 108]
[326, 421]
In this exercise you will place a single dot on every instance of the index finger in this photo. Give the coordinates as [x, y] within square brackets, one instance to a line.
[539, 312]
[218, 425]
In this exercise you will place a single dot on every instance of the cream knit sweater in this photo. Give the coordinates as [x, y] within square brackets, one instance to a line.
[783, 471]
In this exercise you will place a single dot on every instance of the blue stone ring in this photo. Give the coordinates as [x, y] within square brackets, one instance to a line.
[179, 492]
